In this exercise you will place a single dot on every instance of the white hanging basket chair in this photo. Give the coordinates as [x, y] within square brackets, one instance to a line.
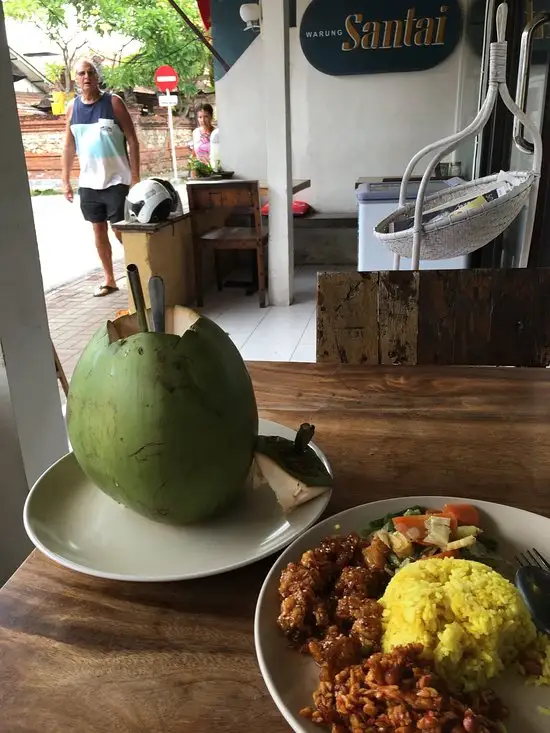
[461, 232]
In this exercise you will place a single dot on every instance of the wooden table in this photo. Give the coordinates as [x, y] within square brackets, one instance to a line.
[81, 655]
[298, 184]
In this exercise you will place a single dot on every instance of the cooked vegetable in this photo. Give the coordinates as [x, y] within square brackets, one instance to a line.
[441, 555]
[413, 526]
[466, 531]
[464, 542]
[463, 513]
[439, 531]
[384, 536]
[416, 526]
[385, 522]
[488, 542]
[401, 545]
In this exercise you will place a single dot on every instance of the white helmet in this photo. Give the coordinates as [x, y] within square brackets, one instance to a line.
[147, 202]
[177, 207]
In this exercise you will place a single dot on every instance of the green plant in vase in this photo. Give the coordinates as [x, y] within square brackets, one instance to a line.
[198, 168]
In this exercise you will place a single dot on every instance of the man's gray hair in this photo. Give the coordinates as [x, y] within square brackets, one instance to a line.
[88, 61]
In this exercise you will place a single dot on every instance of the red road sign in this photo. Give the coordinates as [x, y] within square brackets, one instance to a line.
[166, 79]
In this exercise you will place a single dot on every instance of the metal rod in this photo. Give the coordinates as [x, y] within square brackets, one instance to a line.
[172, 140]
[200, 35]
[156, 296]
[137, 294]
[522, 88]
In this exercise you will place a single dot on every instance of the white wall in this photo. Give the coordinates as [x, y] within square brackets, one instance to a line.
[32, 431]
[240, 108]
[24, 85]
[343, 127]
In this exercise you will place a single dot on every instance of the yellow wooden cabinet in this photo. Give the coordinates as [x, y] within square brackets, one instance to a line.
[164, 249]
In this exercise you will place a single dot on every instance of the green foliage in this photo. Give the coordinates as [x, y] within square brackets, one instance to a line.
[52, 18]
[54, 71]
[199, 168]
[163, 37]
[49, 14]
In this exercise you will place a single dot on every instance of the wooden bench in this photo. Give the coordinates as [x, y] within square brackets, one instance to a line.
[327, 221]
[325, 239]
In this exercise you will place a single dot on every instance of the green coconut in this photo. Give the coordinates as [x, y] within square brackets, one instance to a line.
[165, 424]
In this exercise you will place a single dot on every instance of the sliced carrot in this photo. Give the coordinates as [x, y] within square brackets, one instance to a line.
[417, 523]
[463, 513]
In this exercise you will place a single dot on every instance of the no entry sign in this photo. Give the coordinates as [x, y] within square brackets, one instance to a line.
[166, 79]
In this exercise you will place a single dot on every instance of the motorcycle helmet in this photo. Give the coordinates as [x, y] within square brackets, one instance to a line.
[148, 202]
[176, 201]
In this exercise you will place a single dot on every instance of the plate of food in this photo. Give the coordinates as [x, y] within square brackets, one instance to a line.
[79, 526]
[401, 615]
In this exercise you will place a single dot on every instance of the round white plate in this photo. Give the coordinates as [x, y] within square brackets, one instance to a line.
[292, 677]
[74, 523]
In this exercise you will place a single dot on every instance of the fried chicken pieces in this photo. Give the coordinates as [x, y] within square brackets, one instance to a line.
[330, 596]
[329, 609]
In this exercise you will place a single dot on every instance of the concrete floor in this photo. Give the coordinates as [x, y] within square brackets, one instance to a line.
[261, 334]
[65, 242]
[70, 274]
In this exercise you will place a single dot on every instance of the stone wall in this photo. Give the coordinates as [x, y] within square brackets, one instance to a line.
[43, 138]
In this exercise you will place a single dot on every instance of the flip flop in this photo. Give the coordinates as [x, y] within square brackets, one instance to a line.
[104, 290]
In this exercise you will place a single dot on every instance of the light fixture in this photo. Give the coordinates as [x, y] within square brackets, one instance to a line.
[251, 14]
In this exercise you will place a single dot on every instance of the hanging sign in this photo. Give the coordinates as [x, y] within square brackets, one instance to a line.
[168, 100]
[347, 37]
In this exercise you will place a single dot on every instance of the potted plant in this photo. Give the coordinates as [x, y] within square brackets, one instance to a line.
[198, 168]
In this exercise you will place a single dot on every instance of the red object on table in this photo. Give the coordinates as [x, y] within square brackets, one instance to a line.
[299, 208]
[204, 10]
[166, 79]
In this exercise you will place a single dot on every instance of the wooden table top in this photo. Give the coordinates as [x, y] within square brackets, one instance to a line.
[298, 184]
[83, 655]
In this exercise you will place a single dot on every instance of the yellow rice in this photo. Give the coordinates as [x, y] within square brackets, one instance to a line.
[471, 620]
[543, 648]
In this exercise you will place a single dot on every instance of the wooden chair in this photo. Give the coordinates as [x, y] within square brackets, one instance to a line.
[235, 205]
[447, 317]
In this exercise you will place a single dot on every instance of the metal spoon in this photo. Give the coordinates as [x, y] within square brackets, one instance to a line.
[137, 294]
[156, 296]
[534, 585]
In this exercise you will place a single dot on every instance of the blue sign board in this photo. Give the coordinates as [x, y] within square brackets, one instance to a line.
[345, 37]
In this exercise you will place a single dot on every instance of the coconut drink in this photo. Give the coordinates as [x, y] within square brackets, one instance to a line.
[166, 422]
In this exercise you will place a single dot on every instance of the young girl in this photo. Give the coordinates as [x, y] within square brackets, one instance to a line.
[201, 135]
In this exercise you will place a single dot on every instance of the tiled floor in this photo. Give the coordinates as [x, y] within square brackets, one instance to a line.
[261, 334]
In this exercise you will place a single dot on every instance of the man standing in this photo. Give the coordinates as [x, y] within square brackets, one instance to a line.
[100, 130]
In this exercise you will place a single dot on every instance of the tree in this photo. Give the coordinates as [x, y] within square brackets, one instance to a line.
[163, 39]
[57, 21]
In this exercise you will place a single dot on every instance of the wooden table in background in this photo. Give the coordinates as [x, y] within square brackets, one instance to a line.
[82, 655]
[298, 184]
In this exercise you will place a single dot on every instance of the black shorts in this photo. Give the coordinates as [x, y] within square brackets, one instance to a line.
[105, 204]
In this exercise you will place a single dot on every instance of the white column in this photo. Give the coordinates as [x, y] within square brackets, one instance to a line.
[276, 83]
[24, 335]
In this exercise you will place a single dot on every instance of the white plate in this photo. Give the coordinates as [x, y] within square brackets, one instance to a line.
[74, 523]
[292, 677]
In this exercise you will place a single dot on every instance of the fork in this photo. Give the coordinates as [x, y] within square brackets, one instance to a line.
[532, 558]
[533, 582]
